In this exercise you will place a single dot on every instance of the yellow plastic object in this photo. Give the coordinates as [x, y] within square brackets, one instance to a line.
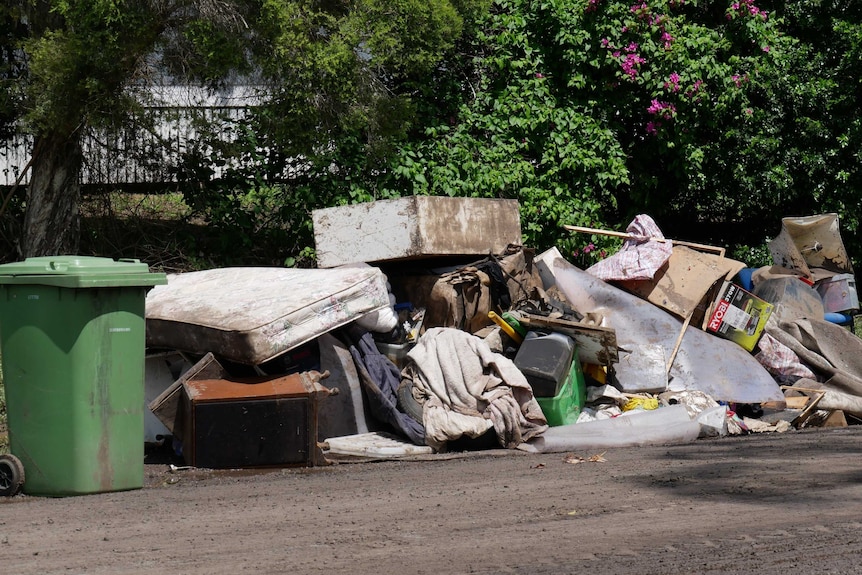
[641, 403]
[597, 372]
[513, 321]
[508, 329]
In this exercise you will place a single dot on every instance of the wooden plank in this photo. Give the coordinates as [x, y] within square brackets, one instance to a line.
[835, 419]
[678, 341]
[703, 247]
[809, 409]
[797, 402]
[596, 344]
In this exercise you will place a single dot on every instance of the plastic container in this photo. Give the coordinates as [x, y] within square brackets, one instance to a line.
[72, 338]
[565, 407]
[396, 352]
[545, 359]
[792, 298]
[838, 293]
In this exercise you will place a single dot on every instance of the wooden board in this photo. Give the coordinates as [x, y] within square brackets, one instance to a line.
[686, 285]
[596, 344]
[835, 419]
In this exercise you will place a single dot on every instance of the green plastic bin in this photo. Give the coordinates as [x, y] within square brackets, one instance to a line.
[566, 406]
[72, 340]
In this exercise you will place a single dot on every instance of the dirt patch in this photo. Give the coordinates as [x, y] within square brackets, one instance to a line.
[770, 503]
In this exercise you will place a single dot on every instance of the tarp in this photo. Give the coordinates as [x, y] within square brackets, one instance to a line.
[833, 353]
[717, 367]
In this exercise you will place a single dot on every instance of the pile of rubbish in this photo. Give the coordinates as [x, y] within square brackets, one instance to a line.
[428, 328]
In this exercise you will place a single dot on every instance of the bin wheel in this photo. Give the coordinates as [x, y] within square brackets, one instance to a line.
[11, 475]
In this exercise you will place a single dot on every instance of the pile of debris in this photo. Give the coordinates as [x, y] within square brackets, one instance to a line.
[429, 328]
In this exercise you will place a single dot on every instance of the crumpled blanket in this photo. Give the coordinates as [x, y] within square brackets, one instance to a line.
[780, 360]
[832, 353]
[380, 378]
[639, 258]
[467, 389]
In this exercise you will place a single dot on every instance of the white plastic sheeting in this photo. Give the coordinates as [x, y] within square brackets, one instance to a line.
[663, 426]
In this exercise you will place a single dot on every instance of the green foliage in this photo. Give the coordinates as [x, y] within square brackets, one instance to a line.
[715, 117]
[753, 256]
[589, 112]
[80, 56]
[345, 87]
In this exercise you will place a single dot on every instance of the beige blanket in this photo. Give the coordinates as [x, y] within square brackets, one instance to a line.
[467, 389]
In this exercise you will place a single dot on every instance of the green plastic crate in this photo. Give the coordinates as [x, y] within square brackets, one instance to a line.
[565, 407]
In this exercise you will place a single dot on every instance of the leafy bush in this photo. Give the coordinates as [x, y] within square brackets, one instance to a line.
[717, 118]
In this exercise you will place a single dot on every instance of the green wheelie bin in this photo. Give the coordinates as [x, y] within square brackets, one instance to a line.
[72, 347]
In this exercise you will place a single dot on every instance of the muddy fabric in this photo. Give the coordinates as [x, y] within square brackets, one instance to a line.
[640, 257]
[780, 360]
[832, 353]
[467, 389]
[380, 379]
[463, 297]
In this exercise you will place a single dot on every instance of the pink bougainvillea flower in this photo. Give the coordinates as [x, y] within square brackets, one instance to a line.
[667, 39]
[630, 64]
[695, 88]
[661, 109]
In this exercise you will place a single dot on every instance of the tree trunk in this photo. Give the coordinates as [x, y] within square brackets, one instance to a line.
[51, 222]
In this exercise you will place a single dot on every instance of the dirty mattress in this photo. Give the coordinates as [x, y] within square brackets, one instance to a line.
[251, 315]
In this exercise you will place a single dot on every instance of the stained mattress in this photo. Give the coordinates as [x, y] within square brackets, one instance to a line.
[252, 315]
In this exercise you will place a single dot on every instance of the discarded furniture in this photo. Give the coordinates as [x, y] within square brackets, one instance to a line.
[226, 422]
[414, 227]
[252, 315]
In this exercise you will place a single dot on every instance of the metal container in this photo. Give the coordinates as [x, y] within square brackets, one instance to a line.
[414, 227]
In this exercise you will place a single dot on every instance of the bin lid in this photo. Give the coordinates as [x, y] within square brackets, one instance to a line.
[80, 272]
